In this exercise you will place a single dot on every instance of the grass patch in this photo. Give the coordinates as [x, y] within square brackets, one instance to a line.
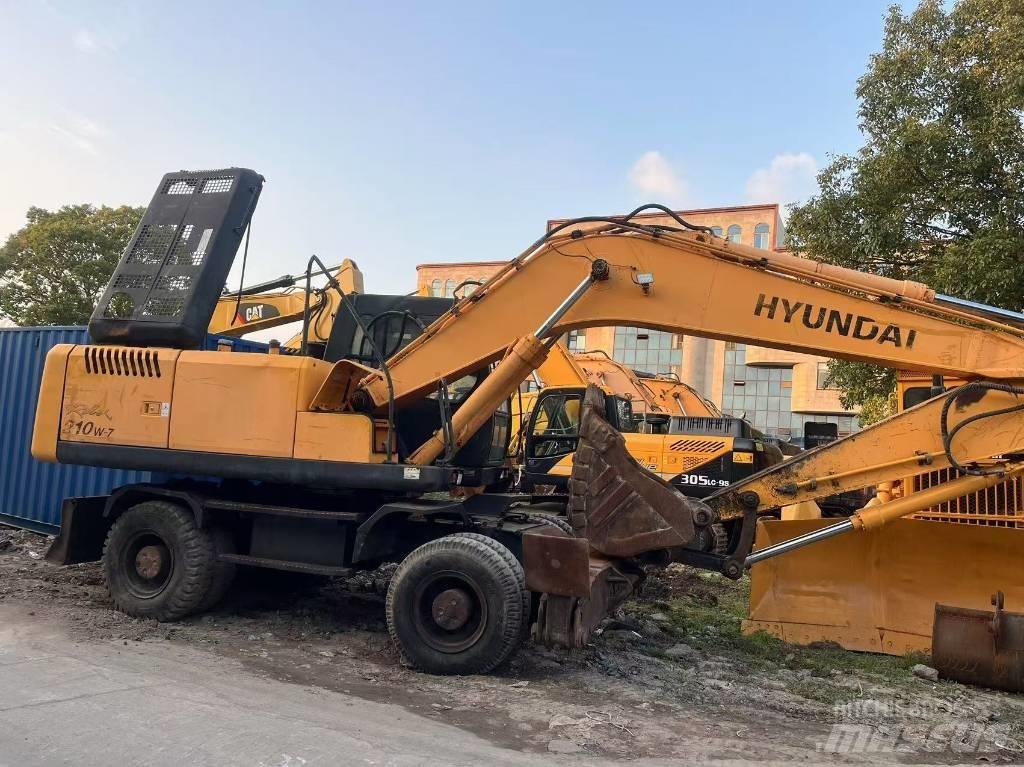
[705, 610]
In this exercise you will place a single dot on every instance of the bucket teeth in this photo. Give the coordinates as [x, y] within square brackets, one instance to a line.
[619, 506]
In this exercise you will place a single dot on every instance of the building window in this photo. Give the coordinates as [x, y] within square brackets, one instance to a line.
[735, 232]
[758, 394]
[649, 351]
[435, 288]
[823, 382]
[449, 289]
[764, 397]
[576, 340]
[717, 231]
[761, 236]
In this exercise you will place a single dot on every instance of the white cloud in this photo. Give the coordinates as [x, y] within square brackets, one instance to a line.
[788, 178]
[94, 40]
[86, 127]
[85, 42]
[81, 132]
[657, 181]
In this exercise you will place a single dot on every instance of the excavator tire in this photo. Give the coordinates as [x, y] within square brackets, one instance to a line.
[456, 605]
[503, 552]
[551, 519]
[158, 564]
[223, 572]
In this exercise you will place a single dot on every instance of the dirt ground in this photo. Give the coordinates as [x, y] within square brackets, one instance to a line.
[670, 677]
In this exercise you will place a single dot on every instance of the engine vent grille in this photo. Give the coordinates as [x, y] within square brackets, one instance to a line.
[140, 363]
[697, 446]
[996, 506]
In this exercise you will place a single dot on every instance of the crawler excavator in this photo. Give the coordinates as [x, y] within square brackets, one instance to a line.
[281, 301]
[669, 428]
[320, 464]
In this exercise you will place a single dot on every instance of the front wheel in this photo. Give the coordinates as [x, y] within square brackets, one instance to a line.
[455, 605]
[158, 564]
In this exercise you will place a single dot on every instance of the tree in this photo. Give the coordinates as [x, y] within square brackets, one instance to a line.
[53, 270]
[936, 194]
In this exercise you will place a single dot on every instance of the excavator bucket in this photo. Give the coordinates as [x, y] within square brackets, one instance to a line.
[618, 510]
[615, 503]
[877, 590]
[981, 647]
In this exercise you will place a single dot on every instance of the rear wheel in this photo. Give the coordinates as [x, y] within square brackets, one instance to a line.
[158, 564]
[552, 520]
[223, 572]
[456, 605]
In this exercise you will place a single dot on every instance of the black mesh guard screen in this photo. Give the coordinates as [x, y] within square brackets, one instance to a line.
[165, 288]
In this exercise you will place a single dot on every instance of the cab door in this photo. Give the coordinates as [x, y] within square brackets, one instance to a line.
[551, 436]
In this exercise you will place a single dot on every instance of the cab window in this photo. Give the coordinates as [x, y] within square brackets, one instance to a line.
[556, 427]
[624, 420]
[915, 396]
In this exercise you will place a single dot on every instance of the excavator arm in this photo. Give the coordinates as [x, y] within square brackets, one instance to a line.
[280, 302]
[693, 283]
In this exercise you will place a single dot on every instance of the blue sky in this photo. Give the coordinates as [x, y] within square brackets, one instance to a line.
[401, 133]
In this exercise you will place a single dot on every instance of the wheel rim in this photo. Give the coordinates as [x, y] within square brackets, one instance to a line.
[148, 562]
[450, 612]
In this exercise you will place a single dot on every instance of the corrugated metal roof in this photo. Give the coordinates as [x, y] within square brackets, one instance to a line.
[31, 491]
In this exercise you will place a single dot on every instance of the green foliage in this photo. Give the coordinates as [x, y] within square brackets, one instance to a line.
[936, 194]
[871, 388]
[53, 269]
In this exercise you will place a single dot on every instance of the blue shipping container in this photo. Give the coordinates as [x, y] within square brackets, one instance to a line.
[31, 491]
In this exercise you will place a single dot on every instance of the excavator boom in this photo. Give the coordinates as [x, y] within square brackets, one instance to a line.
[702, 285]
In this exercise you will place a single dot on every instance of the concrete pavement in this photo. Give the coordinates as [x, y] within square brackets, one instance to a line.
[158, 703]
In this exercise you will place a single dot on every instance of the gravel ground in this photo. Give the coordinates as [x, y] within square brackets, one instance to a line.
[669, 677]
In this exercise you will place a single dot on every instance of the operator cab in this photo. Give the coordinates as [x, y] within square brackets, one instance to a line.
[707, 453]
[553, 430]
[393, 322]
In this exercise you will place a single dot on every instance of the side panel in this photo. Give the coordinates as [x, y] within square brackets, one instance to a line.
[648, 450]
[684, 455]
[335, 437]
[236, 403]
[118, 395]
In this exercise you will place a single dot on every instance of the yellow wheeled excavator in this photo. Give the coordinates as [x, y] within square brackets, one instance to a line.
[320, 464]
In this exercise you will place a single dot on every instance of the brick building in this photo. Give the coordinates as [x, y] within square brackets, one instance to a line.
[777, 391]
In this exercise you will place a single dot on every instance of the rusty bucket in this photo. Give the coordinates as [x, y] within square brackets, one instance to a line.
[981, 647]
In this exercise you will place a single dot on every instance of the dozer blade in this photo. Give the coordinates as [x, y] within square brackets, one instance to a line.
[617, 505]
[981, 647]
[876, 591]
